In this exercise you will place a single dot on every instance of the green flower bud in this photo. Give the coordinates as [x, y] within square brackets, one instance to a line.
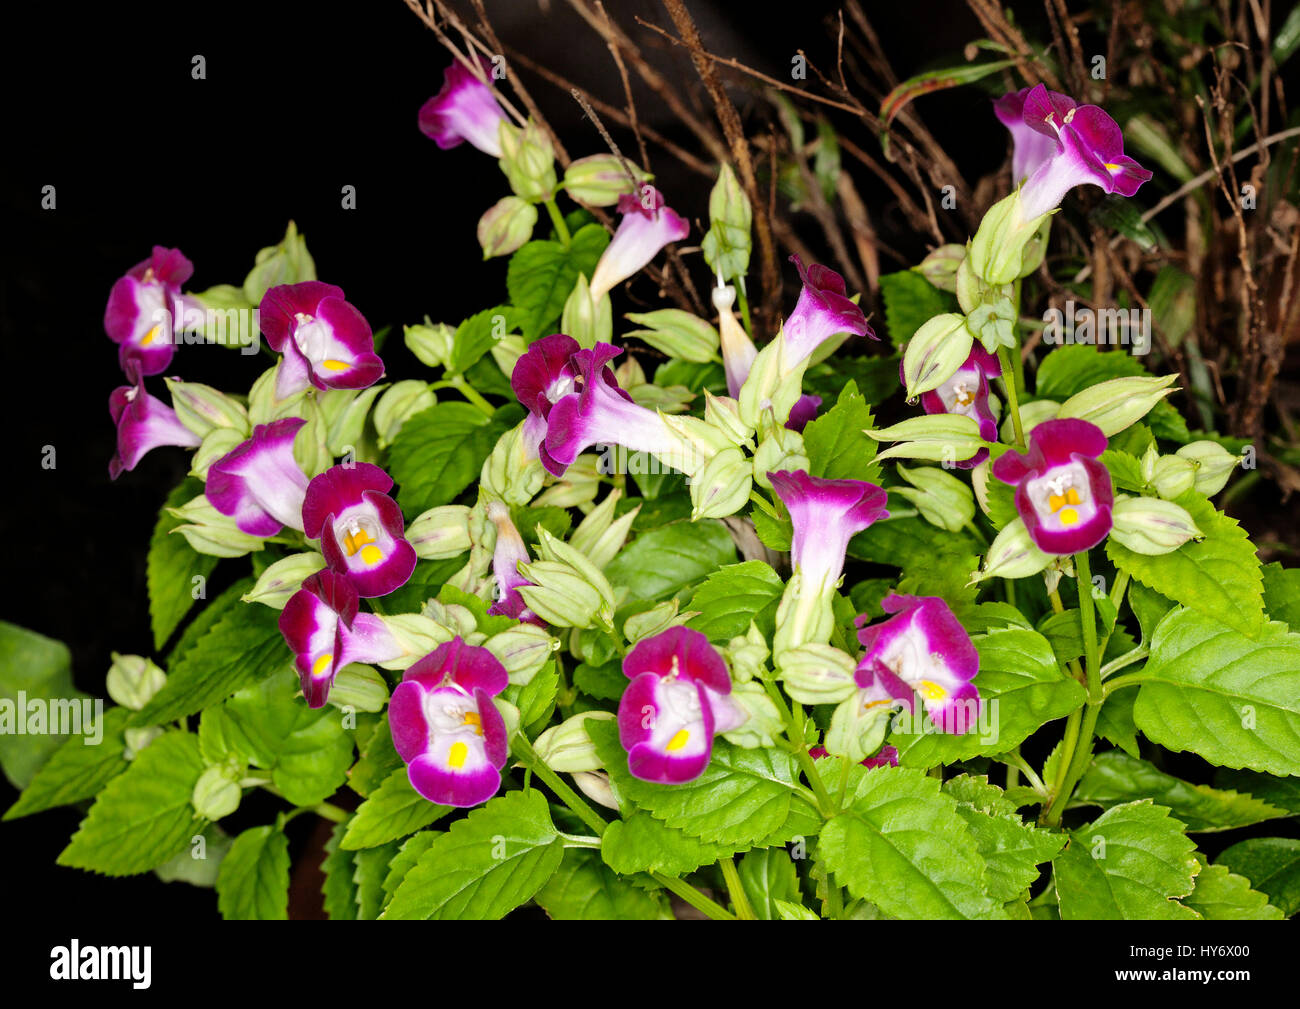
[508, 473]
[567, 747]
[139, 738]
[599, 535]
[453, 618]
[1012, 554]
[1173, 476]
[587, 320]
[596, 787]
[434, 345]
[658, 618]
[937, 437]
[857, 728]
[552, 548]
[523, 650]
[398, 405]
[286, 263]
[781, 448]
[507, 351]
[722, 487]
[263, 407]
[817, 674]
[723, 413]
[417, 635]
[1151, 526]
[528, 160]
[600, 179]
[997, 252]
[1031, 415]
[935, 352]
[993, 324]
[1036, 248]
[283, 578]
[772, 387]
[763, 724]
[203, 409]
[1213, 464]
[132, 680]
[506, 226]
[1117, 403]
[700, 442]
[309, 448]
[1149, 459]
[360, 687]
[209, 532]
[941, 498]
[677, 333]
[747, 655]
[440, 533]
[218, 442]
[727, 243]
[970, 286]
[215, 794]
[562, 597]
[940, 266]
[578, 486]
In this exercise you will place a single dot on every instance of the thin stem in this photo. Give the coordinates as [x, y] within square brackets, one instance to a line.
[693, 897]
[524, 750]
[329, 811]
[557, 219]
[1127, 659]
[459, 383]
[1015, 762]
[736, 889]
[1013, 398]
[1120, 682]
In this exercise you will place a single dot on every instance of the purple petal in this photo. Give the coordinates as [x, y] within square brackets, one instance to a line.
[259, 483]
[679, 650]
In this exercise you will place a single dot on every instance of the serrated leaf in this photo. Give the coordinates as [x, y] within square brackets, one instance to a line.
[76, 770]
[253, 884]
[392, 811]
[1282, 594]
[769, 878]
[1012, 849]
[585, 889]
[640, 843]
[536, 698]
[1272, 864]
[1281, 792]
[379, 760]
[476, 335]
[902, 845]
[911, 301]
[143, 816]
[542, 273]
[1131, 863]
[172, 566]
[1232, 699]
[835, 443]
[1115, 722]
[663, 561]
[732, 597]
[486, 865]
[440, 451]
[407, 855]
[368, 875]
[1221, 895]
[41, 669]
[339, 891]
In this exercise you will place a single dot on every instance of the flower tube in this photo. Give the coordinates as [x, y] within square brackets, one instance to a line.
[325, 341]
[823, 309]
[360, 527]
[260, 484]
[465, 109]
[1033, 140]
[507, 555]
[143, 422]
[648, 225]
[139, 316]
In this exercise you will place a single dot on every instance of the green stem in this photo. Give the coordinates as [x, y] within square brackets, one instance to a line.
[1127, 659]
[693, 897]
[1017, 359]
[1120, 682]
[739, 899]
[744, 305]
[463, 387]
[1013, 398]
[557, 219]
[329, 811]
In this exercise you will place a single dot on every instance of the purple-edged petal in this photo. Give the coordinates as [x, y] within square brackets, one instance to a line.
[541, 375]
[471, 667]
[823, 309]
[453, 741]
[259, 483]
[360, 527]
[680, 652]
[666, 728]
[507, 555]
[323, 337]
[648, 225]
[465, 109]
[143, 422]
[826, 515]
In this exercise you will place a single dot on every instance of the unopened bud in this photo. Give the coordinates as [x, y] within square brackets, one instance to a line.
[1117, 403]
[202, 408]
[677, 333]
[506, 226]
[722, 487]
[567, 747]
[935, 352]
[940, 266]
[817, 674]
[654, 620]
[940, 436]
[398, 405]
[528, 160]
[857, 729]
[132, 680]
[523, 650]
[1150, 525]
[1012, 554]
[941, 498]
[283, 578]
[215, 795]
[434, 345]
[210, 532]
[1173, 476]
[600, 179]
[360, 687]
[416, 634]
[1213, 463]
[588, 320]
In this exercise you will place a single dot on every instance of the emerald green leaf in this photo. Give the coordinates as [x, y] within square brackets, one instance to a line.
[902, 845]
[1115, 778]
[1281, 792]
[835, 443]
[1220, 895]
[243, 647]
[370, 871]
[426, 583]
[41, 669]
[143, 816]
[640, 843]
[910, 302]
[1282, 594]
[1131, 863]
[393, 810]
[732, 597]
[775, 534]
[542, 274]
[663, 561]
[476, 335]
[1012, 849]
[76, 770]
[794, 912]
[486, 865]
[440, 451]
[1115, 722]
[769, 878]
[1021, 689]
[1073, 368]
[536, 698]
[1232, 699]
[253, 884]
[1219, 576]
[407, 855]
[379, 760]
[585, 889]
[1272, 864]
[338, 866]
[605, 682]
[207, 618]
[1149, 607]
[198, 864]
[1125, 469]
[173, 565]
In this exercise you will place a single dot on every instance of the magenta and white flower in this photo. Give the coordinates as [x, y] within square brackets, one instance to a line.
[648, 225]
[140, 315]
[966, 393]
[507, 555]
[1063, 493]
[676, 703]
[921, 649]
[822, 311]
[465, 109]
[1026, 113]
[321, 622]
[325, 341]
[143, 422]
[886, 756]
[259, 483]
[360, 527]
[445, 726]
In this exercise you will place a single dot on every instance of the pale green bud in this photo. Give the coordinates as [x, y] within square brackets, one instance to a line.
[780, 449]
[817, 674]
[1173, 476]
[218, 442]
[283, 578]
[416, 634]
[309, 448]
[434, 345]
[970, 286]
[596, 787]
[552, 548]
[658, 618]
[528, 160]
[1117, 403]
[286, 263]
[209, 532]
[763, 724]
[941, 498]
[600, 179]
[562, 597]
[993, 324]
[588, 320]
[360, 687]
[440, 533]
[137, 738]
[677, 333]
[1151, 526]
[600, 536]
[508, 473]
[202, 408]
[747, 655]
[1149, 459]
[723, 412]
[727, 243]
[523, 650]
[1031, 415]
[937, 437]
[935, 352]
[998, 250]
[940, 266]
[773, 385]
[263, 407]
[1213, 464]
[132, 680]
[805, 614]
[215, 794]
[1012, 554]
[722, 487]
[398, 405]
[454, 618]
[857, 727]
[507, 351]
[506, 226]
[665, 399]
[578, 486]
[567, 747]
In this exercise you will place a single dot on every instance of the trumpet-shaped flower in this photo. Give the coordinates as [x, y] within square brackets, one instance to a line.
[139, 316]
[143, 422]
[445, 726]
[676, 703]
[823, 309]
[1025, 113]
[325, 341]
[921, 649]
[259, 483]
[648, 225]
[967, 393]
[1063, 493]
[507, 555]
[360, 527]
[465, 109]
[322, 625]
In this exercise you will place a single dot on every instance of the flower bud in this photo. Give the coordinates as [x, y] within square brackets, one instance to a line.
[940, 266]
[1031, 415]
[722, 487]
[416, 634]
[1117, 403]
[286, 263]
[509, 473]
[218, 442]
[723, 413]
[993, 324]
[215, 795]
[940, 436]
[506, 226]
[763, 724]
[599, 535]
[596, 787]
[434, 345]
[1150, 525]
[780, 449]
[309, 449]
[727, 244]
[747, 655]
[506, 352]
[283, 578]
[586, 319]
[578, 486]
[600, 179]
[567, 747]
[564, 596]
[523, 650]
[1012, 554]
[360, 687]
[203, 409]
[857, 729]
[677, 333]
[209, 532]
[935, 352]
[997, 252]
[941, 498]
[348, 424]
[453, 618]
[817, 674]
[970, 286]
[263, 407]
[440, 533]
[773, 384]
[132, 680]
[137, 738]
[400, 403]
[528, 161]
[654, 620]
[1213, 464]
[1173, 476]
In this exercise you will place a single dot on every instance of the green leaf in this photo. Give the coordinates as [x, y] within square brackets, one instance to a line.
[143, 816]
[198, 865]
[769, 878]
[1219, 576]
[407, 855]
[1125, 469]
[338, 866]
[41, 668]
[1115, 778]
[1281, 792]
[253, 884]
[1071, 369]
[393, 810]
[585, 889]
[476, 335]
[936, 80]
[910, 302]
[440, 451]
[1220, 895]
[542, 273]
[1232, 699]
[775, 534]
[876, 377]
[794, 912]
[1149, 607]
[1012, 849]
[732, 597]
[604, 682]
[640, 843]
[1021, 689]
[1282, 594]
[1272, 864]
[426, 583]
[173, 565]
[486, 865]
[1131, 863]
[663, 561]
[77, 769]
[1115, 722]
[369, 873]
[378, 761]
[836, 446]
[243, 647]
[902, 845]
